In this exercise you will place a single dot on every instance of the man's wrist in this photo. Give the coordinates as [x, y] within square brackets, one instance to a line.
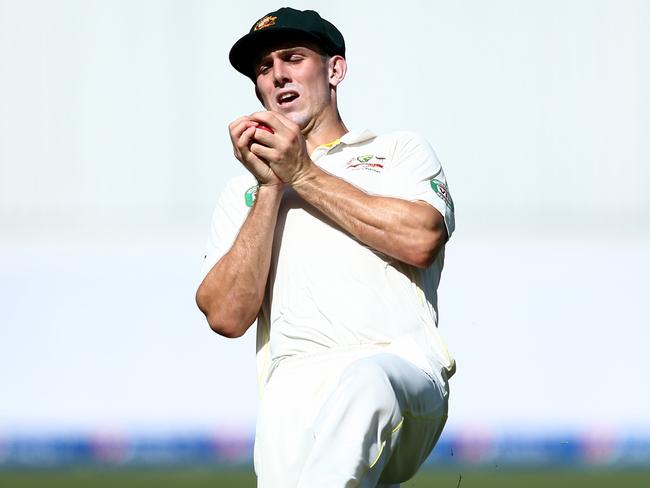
[306, 177]
[270, 190]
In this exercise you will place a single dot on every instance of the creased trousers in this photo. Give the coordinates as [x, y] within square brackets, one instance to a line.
[357, 417]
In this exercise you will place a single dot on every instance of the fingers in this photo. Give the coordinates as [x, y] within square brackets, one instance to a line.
[284, 120]
[278, 156]
[278, 123]
[242, 131]
[285, 134]
[247, 146]
[237, 121]
[263, 152]
[238, 126]
[245, 139]
[274, 120]
[263, 136]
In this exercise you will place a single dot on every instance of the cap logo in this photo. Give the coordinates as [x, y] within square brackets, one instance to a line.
[267, 21]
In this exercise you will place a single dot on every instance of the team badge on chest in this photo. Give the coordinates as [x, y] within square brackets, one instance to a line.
[366, 163]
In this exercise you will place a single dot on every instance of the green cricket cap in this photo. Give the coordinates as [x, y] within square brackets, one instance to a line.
[285, 24]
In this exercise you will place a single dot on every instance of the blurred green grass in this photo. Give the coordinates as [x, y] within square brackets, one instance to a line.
[200, 478]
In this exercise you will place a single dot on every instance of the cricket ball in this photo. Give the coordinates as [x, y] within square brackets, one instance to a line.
[264, 127]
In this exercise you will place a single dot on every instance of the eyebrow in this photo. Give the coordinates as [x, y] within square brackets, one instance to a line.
[280, 52]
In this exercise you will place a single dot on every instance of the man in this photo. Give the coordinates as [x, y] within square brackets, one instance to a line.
[333, 240]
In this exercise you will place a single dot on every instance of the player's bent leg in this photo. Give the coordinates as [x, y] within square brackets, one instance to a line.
[418, 437]
[292, 399]
[283, 433]
[378, 425]
[352, 429]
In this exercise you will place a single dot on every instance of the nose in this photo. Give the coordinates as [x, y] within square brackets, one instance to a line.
[280, 73]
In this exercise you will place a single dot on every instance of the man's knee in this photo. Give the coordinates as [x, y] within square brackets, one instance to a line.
[367, 384]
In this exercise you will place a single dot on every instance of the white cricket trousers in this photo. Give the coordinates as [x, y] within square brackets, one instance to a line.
[353, 418]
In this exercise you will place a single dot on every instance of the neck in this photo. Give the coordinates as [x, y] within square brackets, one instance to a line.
[323, 131]
[324, 135]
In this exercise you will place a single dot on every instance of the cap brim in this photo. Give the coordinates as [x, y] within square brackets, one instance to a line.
[244, 52]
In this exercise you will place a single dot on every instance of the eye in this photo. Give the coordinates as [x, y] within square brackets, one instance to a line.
[295, 58]
[263, 68]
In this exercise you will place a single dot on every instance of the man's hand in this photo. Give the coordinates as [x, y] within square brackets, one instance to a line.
[242, 134]
[285, 150]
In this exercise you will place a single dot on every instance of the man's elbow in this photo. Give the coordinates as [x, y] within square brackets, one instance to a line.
[225, 324]
[426, 252]
[422, 259]
[229, 329]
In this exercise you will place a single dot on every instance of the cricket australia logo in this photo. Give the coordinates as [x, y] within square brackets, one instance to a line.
[441, 190]
[250, 195]
[267, 21]
[366, 163]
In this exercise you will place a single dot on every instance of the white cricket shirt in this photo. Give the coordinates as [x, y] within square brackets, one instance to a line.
[326, 289]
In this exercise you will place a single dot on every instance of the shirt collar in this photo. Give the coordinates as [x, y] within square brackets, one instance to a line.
[356, 136]
[351, 137]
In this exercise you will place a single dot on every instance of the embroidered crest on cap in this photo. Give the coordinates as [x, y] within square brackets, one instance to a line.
[267, 21]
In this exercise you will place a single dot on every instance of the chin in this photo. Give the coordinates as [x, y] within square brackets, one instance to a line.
[301, 119]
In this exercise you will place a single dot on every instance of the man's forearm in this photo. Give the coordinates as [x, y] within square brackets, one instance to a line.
[412, 232]
[231, 294]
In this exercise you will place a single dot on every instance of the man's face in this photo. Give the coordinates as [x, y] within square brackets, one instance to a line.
[293, 79]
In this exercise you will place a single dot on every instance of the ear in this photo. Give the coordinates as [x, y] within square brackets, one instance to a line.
[337, 69]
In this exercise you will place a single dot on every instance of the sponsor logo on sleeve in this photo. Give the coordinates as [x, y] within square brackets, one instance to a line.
[441, 190]
[250, 196]
[366, 163]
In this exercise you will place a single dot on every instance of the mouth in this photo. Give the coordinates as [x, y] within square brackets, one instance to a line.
[285, 98]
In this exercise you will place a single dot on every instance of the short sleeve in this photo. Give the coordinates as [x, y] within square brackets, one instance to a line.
[227, 219]
[415, 173]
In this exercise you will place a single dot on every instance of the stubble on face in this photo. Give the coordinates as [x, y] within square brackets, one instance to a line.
[300, 88]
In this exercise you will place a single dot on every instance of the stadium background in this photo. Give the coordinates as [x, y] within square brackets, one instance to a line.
[113, 148]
